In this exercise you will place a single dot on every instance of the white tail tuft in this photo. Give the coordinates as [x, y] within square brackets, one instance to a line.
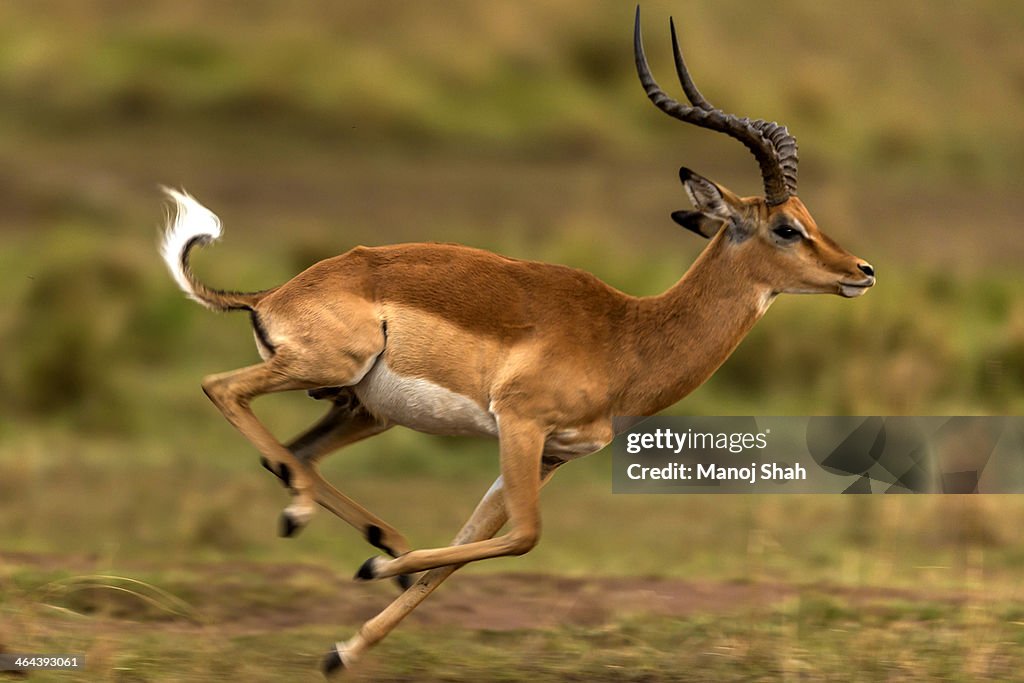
[191, 221]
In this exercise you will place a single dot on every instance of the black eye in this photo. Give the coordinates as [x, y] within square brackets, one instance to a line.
[786, 232]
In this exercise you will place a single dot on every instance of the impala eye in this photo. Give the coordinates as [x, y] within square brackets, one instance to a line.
[786, 232]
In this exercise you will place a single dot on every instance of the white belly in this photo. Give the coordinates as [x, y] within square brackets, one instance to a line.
[421, 405]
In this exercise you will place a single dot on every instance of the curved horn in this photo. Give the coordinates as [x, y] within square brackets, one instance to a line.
[771, 144]
[689, 87]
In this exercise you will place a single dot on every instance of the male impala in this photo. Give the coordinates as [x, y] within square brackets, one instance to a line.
[447, 339]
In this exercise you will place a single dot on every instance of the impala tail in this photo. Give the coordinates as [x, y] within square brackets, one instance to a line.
[192, 224]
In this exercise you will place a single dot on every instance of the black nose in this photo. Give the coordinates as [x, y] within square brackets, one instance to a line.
[866, 269]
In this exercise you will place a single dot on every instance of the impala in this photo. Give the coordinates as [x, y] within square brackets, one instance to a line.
[446, 339]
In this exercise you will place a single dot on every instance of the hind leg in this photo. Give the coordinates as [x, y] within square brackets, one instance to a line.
[310, 347]
[344, 424]
[232, 393]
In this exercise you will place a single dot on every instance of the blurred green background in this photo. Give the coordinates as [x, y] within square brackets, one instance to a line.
[311, 127]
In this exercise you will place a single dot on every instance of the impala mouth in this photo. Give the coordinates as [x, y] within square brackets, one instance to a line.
[854, 289]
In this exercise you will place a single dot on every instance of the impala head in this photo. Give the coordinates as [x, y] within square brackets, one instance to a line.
[774, 237]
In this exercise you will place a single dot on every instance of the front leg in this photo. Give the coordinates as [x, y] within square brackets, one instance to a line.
[345, 423]
[522, 443]
[486, 520]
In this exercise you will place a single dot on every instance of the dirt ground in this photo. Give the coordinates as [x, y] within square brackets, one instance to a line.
[239, 598]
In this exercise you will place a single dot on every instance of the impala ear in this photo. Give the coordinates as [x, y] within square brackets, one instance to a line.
[699, 223]
[706, 196]
[714, 206]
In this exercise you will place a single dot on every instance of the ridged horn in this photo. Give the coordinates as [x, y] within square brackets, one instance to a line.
[770, 143]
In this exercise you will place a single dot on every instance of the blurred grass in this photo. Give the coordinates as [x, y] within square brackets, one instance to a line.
[816, 633]
[870, 84]
[313, 127]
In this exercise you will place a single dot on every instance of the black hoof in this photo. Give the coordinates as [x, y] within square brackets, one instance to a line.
[288, 527]
[404, 581]
[365, 572]
[331, 663]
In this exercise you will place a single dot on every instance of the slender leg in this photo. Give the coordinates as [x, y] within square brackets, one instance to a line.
[345, 423]
[377, 532]
[487, 519]
[342, 426]
[522, 443]
[232, 393]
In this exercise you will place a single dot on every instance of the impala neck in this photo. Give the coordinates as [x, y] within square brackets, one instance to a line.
[685, 334]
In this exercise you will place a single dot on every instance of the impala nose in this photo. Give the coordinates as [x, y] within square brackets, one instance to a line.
[866, 269]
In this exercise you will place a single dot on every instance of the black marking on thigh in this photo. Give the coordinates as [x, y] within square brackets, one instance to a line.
[374, 536]
[261, 332]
